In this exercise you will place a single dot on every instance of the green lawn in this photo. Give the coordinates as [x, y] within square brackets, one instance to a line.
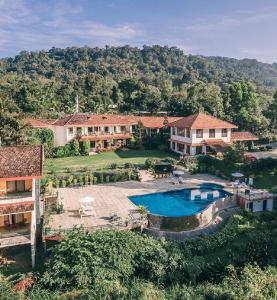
[103, 160]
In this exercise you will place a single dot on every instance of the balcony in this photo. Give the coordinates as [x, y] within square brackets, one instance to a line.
[15, 235]
[15, 198]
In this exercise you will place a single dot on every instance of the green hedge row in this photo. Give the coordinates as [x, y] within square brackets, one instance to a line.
[72, 180]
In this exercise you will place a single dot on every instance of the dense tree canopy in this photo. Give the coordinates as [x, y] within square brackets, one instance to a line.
[152, 79]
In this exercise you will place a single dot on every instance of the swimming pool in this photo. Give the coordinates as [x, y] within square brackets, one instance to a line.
[177, 203]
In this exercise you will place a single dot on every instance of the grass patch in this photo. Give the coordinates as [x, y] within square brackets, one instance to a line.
[103, 160]
[266, 181]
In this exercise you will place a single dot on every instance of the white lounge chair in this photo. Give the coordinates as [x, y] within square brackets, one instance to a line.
[174, 180]
[86, 211]
[181, 180]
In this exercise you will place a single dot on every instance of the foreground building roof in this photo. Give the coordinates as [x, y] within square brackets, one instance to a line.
[21, 161]
[201, 121]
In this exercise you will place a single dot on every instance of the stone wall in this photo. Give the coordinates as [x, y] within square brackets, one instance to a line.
[177, 224]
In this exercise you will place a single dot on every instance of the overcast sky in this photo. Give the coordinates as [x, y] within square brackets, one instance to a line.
[233, 28]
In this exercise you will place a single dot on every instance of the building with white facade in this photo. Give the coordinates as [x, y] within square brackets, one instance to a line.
[201, 134]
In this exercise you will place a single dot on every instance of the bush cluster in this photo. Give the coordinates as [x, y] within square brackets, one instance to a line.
[75, 148]
[90, 178]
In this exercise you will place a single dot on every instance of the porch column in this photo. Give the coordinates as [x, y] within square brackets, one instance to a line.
[33, 239]
[36, 197]
[192, 150]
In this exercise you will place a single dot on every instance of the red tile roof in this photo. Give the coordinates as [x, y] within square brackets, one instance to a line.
[243, 136]
[39, 123]
[83, 119]
[216, 142]
[156, 122]
[21, 161]
[12, 208]
[201, 121]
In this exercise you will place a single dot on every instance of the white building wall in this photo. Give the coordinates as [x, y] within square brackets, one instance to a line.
[269, 205]
[257, 206]
[218, 135]
[194, 140]
[60, 136]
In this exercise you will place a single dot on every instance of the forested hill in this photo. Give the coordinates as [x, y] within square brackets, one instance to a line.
[127, 79]
[119, 62]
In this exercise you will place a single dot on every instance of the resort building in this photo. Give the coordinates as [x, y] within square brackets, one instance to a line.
[20, 171]
[256, 200]
[202, 134]
[105, 132]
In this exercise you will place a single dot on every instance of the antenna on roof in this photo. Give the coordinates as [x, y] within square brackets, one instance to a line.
[77, 104]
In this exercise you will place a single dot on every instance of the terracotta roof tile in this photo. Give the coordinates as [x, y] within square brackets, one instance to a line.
[83, 119]
[201, 121]
[243, 136]
[21, 161]
[39, 123]
[156, 122]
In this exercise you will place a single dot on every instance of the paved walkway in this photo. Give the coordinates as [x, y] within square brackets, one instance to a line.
[113, 198]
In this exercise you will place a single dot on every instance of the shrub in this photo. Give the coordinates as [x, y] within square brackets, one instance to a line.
[129, 165]
[149, 163]
[75, 147]
[86, 179]
[107, 178]
[63, 183]
[113, 166]
[56, 183]
[101, 178]
[70, 180]
[85, 147]
[91, 179]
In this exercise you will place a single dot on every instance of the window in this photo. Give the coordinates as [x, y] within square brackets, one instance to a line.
[70, 130]
[181, 132]
[122, 128]
[199, 133]
[79, 130]
[173, 130]
[224, 132]
[188, 149]
[90, 130]
[173, 145]
[211, 133]
[180, 147]
[106, 129]
[188, 133]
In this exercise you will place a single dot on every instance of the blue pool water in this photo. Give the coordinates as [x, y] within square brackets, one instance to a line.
[185, 202]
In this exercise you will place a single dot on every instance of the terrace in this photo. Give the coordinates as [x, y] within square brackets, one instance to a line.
[15, 235]
[112, 198]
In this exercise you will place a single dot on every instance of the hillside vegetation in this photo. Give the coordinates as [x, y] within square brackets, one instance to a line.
[237, 262]
[152, 79]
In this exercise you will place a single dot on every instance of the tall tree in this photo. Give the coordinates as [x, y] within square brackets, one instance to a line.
[12, 126]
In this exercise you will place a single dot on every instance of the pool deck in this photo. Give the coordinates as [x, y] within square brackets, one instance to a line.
[113, 198]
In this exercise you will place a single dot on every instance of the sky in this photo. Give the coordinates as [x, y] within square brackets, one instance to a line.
[231, 28]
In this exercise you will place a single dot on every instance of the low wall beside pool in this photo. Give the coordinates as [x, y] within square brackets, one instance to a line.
[200, 219]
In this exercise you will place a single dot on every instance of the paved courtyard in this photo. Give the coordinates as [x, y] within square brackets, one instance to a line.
[113, 198]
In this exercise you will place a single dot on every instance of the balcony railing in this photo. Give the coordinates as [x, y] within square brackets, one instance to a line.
[16, 198]
[106, 133]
